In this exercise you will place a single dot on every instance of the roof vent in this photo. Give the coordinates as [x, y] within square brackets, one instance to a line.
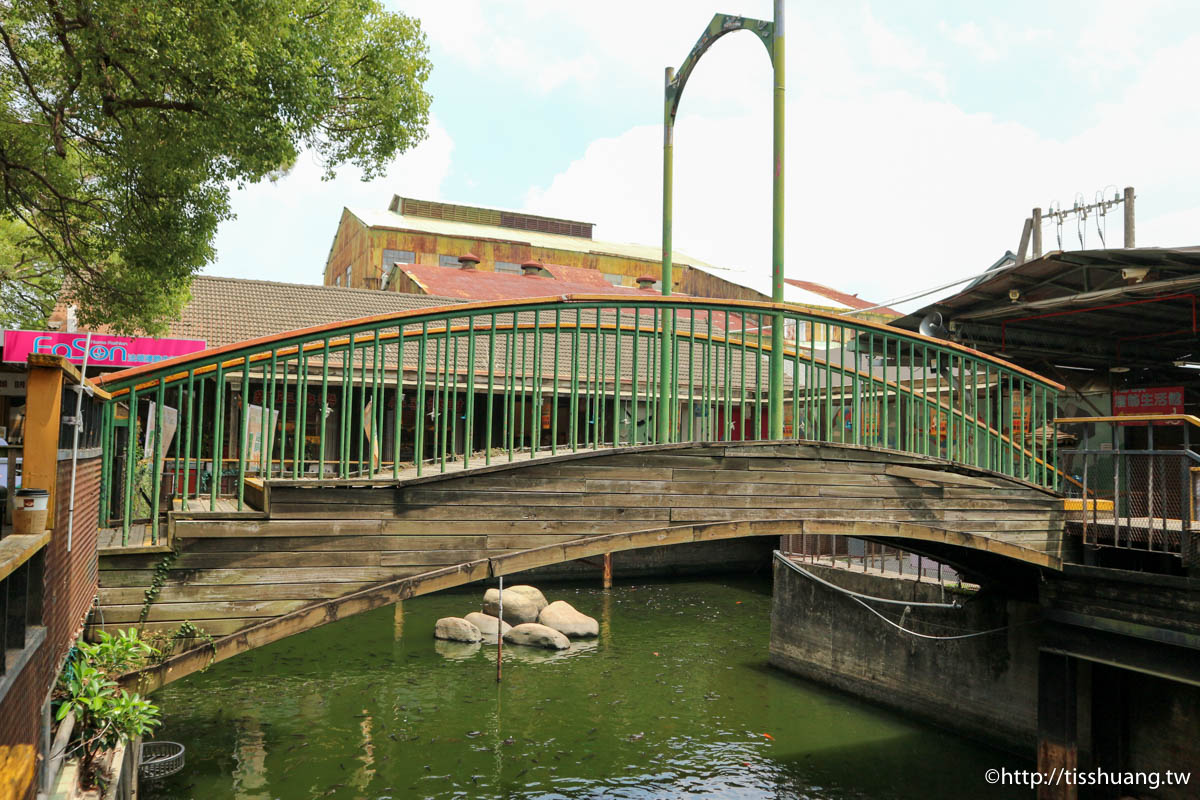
[532, 268]
[646, 281]
[468, 260]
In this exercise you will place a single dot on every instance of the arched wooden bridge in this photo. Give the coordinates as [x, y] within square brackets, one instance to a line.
[324, 472]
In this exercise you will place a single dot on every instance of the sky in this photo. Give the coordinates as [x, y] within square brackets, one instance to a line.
[919, 134]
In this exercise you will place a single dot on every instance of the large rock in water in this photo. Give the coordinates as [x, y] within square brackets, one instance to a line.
[566, 620]
[532, 592]
[487, 624]
[456, 629]
[531, 634]
[518, 608]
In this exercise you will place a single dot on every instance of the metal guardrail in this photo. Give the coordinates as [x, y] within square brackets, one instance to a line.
[432, 389]
[1134, 498]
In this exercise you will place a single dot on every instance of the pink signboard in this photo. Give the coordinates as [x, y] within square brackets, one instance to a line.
[104, 351]
[1157, 400]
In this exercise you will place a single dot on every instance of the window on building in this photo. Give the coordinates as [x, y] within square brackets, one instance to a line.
[347, 278]
[508, 266]
[613, 278]
[390, 257]
[448, 261]
[337, 280]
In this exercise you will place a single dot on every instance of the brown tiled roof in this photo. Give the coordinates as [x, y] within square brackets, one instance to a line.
[223, 311]
[227, 310]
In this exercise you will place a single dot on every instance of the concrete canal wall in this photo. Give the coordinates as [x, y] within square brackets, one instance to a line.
[1076, 698]
[985, 687]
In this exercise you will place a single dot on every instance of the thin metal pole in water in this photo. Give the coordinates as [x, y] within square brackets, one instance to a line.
[500, 634]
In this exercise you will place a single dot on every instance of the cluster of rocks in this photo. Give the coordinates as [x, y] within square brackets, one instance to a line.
[528, 619]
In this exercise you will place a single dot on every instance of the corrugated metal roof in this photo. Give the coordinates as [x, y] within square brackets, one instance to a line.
[377, 218]
[831, 297]
[477, 284]
[1081, 308]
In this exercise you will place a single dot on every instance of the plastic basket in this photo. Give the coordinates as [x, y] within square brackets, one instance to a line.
[159, 759]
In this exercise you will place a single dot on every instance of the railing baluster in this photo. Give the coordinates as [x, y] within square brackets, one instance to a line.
[156, 461]
[492, 361]
[448, 409]
[323, 412]
[574, 402]
[300, 414]
[422, 382]
[469, 428]
[218, 438]
[617, 356]
[175, 440]
[442, 398]
[557, 370]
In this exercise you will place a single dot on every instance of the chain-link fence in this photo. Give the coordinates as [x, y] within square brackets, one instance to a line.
[1138, 499]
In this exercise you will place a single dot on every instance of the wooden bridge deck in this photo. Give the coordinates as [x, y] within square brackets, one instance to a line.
[314, 542]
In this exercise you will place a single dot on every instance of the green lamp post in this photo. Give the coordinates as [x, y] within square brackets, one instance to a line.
[771, 35]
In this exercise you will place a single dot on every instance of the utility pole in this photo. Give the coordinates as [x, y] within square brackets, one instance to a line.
[1129, 226]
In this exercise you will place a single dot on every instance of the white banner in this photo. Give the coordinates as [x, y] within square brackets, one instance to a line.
[170, 422]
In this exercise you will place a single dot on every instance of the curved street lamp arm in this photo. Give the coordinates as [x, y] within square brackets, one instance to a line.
[720, 25]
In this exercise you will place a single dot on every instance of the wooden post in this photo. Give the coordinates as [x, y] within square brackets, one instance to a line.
[1129, 226]
[43, 418]
[398, 620]
[608, 570]
[1023, 247]
[1057, 748]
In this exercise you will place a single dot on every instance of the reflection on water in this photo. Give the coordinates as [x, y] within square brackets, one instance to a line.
[456, 651]
[673, 700]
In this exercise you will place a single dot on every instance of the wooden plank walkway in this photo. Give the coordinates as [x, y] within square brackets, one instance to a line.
[327, 539]
[108, 540]
[223, 508]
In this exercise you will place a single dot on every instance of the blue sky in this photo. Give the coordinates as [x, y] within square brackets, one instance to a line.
[919, 133]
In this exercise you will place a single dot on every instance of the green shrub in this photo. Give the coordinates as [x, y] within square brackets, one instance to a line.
[104, 713]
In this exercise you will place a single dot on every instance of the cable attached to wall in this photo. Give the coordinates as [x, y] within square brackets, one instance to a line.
[862, 599]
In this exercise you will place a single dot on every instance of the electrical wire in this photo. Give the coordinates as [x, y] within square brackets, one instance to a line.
[918, 295]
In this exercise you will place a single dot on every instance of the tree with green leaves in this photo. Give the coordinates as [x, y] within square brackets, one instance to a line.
[124, 124]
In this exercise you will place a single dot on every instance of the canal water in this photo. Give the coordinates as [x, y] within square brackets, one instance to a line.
[674, 700]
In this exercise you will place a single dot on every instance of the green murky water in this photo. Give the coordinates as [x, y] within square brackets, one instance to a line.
[674, 700]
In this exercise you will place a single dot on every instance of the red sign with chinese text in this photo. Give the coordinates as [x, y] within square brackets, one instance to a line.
[1158, 400]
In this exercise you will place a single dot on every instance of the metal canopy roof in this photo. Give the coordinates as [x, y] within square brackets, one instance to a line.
[1084, 308]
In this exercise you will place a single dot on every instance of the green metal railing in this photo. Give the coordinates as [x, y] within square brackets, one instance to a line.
[452, 387]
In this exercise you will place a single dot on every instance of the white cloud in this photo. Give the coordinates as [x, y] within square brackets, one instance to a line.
[993, 41]
[891, 51]
[272, 236]
[889, 192]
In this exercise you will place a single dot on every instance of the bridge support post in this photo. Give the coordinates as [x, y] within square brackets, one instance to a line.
[608, 572]
[1057, 748]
